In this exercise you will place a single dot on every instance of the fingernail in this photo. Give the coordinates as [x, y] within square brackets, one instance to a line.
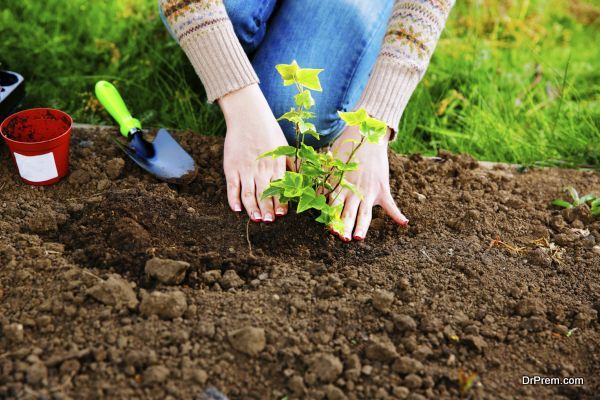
[279, 212]
[268, 217]
[346, 238]
[257, 216]
[237, 208]
[358, 235]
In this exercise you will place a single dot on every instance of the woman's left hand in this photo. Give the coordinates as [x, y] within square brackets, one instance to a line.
[372, 179]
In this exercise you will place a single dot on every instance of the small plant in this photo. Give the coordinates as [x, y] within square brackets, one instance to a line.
[593, 201]
[317, 175]
[466, 382]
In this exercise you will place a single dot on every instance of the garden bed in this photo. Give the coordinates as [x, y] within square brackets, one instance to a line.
[487, 279]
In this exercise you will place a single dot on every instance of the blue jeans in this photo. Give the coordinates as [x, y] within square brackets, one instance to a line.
[341, 36]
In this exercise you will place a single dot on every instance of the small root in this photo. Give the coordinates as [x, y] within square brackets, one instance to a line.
[248, 237]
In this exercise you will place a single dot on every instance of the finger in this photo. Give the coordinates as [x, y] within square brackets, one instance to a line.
[280, 209]
[233, 191]
[289, 162]
[265, 205]
[363, 220]
[390, 207]
[249, 199]
[335, 199]
[349, 216]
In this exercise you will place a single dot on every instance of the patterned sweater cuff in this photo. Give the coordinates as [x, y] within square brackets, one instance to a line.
[389, 88]
[219, 60]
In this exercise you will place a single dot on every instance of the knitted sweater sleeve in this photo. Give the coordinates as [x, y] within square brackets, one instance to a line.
[206, 35]
[413, 31]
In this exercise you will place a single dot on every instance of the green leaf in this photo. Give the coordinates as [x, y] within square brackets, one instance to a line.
[312, 171]
[292, 184]
[347, 185]
[271, 191]
[306, 126]
[342, 166]
[586, 198]
[308, 153]
[596, 202]
[561, 203]
[279, 152]
[373, 129]
[309, 78]
[596, 211]
[310, 200]
[288, 72]
[354, 118]
[296, 116]
[304, 99]
[337, 225]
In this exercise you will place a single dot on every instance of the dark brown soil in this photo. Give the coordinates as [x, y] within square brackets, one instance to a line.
[488, 279]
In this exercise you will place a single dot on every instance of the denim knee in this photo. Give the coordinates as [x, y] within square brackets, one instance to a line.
[249, 19]
[345, 44]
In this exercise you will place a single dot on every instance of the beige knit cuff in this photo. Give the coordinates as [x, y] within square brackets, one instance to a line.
[389, 88]
[219, 60]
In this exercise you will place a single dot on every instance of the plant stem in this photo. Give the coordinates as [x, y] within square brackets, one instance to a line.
[297, 126]
[352, 153]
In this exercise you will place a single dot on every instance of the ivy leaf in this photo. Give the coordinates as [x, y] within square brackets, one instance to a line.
[308, 153]
[311, 170]
[307, 128]
[342, 166]
[354, 118]
[337, 225]
[271, 191]
[373, 129]
[304, 99]
[296, 116]
[309, 78]
[310, 199]
[288, 72]
[279, 152]
[292, 184]
[347, 185]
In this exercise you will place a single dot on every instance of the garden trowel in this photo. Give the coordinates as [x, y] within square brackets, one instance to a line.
[163, 157]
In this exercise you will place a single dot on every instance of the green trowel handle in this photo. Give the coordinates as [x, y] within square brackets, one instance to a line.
[113, 102]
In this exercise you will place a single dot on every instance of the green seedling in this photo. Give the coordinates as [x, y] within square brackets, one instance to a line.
[317, 175]
[466, 382]
[593, 201]
[570, 332]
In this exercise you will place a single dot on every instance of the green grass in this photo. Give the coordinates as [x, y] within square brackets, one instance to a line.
[479, 96]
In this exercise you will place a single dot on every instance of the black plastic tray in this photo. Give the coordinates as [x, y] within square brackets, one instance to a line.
[12, 91]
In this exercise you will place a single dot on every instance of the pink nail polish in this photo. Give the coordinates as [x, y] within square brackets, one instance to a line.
[279, 212]
[237, 208]
[268, 217]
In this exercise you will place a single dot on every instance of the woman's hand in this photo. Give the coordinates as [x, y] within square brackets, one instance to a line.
[372, 180]
[251, 131]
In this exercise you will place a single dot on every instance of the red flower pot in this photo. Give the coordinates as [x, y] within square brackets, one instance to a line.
[38, 140]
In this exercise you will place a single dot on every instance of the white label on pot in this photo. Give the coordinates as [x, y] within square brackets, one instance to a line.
[37, 168]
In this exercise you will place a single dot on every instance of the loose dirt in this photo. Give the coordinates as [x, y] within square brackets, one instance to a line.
[114, 285]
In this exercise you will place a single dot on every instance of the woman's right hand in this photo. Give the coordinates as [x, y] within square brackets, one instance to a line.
[251, 131]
